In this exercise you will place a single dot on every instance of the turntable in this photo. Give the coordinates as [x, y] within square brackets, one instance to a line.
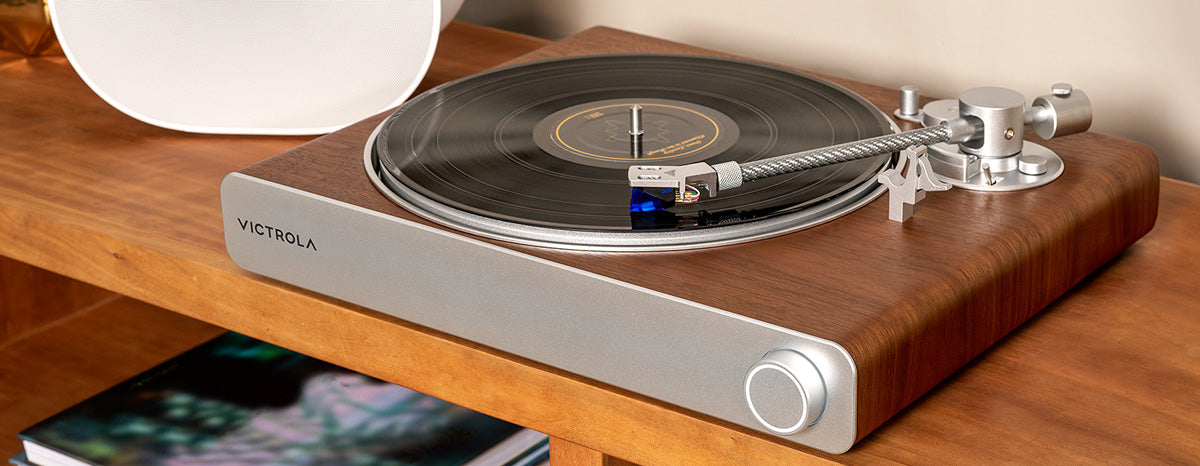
[750, 242]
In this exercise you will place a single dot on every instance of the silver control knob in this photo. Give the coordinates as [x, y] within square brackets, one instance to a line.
[1031, 164]
[785, 392]
[910, 104]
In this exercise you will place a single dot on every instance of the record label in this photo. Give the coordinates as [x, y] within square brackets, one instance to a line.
[598, 133]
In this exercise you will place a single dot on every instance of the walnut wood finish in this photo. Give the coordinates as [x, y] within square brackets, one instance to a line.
[1106, 374]
[910, 302]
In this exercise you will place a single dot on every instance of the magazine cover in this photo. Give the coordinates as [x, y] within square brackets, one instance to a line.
[237, 400]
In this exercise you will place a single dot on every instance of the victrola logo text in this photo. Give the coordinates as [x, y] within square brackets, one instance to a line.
[283, 236]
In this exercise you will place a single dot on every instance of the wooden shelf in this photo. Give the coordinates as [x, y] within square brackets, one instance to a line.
[1108, 373]
[101, 342]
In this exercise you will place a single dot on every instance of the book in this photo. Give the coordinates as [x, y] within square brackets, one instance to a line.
[236, 400]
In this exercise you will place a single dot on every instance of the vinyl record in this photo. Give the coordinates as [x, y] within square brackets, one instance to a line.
[538, 153]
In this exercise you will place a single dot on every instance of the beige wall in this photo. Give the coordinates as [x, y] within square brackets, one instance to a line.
[1138, 61]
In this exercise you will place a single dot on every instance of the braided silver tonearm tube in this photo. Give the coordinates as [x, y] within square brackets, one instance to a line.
[975, 142]
[849, 151]
[728, 175]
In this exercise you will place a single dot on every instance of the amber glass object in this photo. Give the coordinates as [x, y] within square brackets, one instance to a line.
[25, 28]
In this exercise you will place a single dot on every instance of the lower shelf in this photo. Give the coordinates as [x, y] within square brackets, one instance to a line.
[49, 370]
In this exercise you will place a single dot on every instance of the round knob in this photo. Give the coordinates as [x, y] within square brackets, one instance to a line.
[785, 392]
[910, 103]
[1032, 164]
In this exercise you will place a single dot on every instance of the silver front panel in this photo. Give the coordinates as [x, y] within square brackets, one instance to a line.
[666, 347]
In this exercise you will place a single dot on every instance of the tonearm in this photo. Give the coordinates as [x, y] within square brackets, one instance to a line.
[974, 142]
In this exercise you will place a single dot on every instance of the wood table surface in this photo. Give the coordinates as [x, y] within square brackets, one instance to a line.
[114, 260]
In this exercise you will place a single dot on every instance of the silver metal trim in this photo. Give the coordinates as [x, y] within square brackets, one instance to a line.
[679, 351]
[1011, 179]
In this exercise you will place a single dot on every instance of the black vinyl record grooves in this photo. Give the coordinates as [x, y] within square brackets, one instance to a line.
[546, 145]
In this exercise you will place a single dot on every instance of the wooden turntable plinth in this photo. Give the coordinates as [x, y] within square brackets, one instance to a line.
[909, 302]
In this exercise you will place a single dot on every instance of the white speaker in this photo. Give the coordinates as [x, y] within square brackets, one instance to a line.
[251, 66]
